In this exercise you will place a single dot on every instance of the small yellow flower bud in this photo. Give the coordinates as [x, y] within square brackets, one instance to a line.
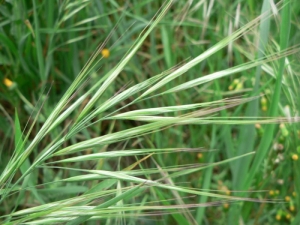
[105, 53]
[7, 82]
[199, 155]
[239, 86]
[282, 126]
[236, 81]
[294, 194]
[226, 205]
[271, 192]
[257, 126]
[278, 217]
[263, 101]
[264, 108]
[288, 216]
[292, 208]
[287, 198]
[295, 157]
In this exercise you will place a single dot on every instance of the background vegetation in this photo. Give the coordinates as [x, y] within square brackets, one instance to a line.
[185, 113]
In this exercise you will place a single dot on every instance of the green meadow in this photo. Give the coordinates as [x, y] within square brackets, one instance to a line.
[149, 112]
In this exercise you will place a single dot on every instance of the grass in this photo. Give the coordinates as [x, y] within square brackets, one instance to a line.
[192, 117]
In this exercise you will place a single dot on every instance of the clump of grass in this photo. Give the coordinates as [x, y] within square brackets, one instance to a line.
[74, 173]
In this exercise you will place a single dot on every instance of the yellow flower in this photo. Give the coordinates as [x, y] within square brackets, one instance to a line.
[264, 108]
[292, 208]
[200, 155]
[278, 217]
[287, 198]
[7, 82]
[239, 86]
[271, 192]
[288, 216]
[226, 205]
[236, 81]
[105, 53]
[295, 157]
[263, 101]
[227, 192]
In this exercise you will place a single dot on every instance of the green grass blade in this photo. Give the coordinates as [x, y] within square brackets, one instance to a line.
[38, 43]
[269, 130]
[248, 133]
